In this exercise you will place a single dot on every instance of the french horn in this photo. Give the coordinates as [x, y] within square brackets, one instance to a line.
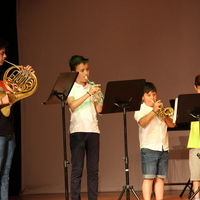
[20, 83]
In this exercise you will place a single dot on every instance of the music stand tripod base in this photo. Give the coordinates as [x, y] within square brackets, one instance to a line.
[194, 193]
[128, 189]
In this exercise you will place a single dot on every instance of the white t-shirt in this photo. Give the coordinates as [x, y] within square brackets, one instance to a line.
[154, 136]
[84, 117]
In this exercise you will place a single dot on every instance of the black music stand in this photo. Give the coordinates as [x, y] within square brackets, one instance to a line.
[187, 109]
[59, 94]
[180, 126]
[123, 96]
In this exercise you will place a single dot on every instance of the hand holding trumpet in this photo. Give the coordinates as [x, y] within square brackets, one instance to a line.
[95, 90]
[157, 105]
[161, 111]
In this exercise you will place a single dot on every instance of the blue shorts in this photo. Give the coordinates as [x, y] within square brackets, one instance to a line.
[154, 163]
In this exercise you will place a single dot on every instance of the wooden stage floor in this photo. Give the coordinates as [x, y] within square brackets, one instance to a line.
[169, 195]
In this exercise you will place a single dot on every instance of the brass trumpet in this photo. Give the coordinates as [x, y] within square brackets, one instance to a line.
[20, 83]
[100, 94]
[164, 112]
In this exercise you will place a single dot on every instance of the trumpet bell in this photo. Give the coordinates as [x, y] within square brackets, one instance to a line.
[165, 112]
[169, 112]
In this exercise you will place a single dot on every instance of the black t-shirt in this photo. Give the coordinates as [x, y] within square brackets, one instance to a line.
[6, 123]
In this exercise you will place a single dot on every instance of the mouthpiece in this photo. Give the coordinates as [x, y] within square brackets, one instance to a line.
[90, 82]
[9, 62]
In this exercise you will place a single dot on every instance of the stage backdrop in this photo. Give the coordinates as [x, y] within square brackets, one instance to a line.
[156, 40]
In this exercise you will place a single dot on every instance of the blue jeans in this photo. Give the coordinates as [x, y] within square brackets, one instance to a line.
[7, 146]
[154, 163]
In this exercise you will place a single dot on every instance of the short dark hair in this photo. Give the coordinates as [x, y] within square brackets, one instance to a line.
[197, 80]
[3, 43]
[76, 60]
[149, 87]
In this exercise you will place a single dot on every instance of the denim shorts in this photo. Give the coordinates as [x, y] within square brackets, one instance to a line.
[154, 163]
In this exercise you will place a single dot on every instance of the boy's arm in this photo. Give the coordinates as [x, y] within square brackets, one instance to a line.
[73, 104]
[99, 107]
[144, 121]
[169, 122]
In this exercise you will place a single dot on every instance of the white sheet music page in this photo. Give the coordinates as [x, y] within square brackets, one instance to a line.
[175, 110]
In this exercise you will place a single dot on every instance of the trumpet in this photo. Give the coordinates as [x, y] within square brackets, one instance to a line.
[164, 112]
[20, 83]
[100, 94]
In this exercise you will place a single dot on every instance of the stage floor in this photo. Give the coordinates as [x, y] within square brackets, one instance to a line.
[169, 195]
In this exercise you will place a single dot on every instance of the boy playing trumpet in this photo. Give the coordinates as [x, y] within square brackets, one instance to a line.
[84, 130]
[154, 145]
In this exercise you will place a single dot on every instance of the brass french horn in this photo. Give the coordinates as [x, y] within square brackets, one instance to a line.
[20, 83]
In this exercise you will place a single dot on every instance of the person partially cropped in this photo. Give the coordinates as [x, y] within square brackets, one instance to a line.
[194, 146]
[154, 144]
[7, 132]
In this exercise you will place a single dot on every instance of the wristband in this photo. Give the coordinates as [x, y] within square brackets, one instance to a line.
[153, 111]
[89, 93]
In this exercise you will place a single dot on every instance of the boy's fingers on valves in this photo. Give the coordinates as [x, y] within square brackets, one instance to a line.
[95, 88]
[158, 105]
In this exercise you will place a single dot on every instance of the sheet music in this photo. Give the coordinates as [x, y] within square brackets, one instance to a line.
[175, 110]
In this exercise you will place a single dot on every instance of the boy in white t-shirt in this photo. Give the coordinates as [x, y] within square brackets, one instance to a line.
[84, 104]
[153, 139]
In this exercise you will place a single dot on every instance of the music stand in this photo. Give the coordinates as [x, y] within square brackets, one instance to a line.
[181, 126]
[187, 109]
[59, 94]
[123, 96]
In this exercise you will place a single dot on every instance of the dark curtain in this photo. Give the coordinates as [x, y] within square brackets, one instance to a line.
[8, 31]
